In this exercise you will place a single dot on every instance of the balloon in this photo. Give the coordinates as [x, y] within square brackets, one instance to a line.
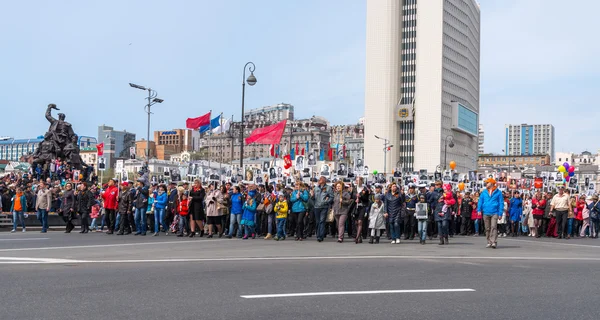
[452, 165]
[571, 169]
[568, 178]
[566, 165]
[374, 172]
[571, 173]
[461, 186]
[562, 169]
[566, 174]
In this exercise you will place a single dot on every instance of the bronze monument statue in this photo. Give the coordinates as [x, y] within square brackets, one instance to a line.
[60, 142]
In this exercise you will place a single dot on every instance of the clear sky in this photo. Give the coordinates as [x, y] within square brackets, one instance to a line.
[539, 63]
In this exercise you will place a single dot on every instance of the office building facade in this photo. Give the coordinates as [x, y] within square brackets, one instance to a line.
[117, 144]
[481, 139]
[525, 139]
[422, 83]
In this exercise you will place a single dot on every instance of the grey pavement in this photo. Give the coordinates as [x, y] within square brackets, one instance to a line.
[95, 276]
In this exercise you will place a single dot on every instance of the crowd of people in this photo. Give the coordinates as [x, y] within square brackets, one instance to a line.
[343, 211]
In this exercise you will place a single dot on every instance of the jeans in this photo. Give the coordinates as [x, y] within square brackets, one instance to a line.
[270, 218]
[443, 228]
[18, 215]
[594, 227]
[42, 216]
[320, 216]
[117, 222]
[300, 221]
[159, 218]
[182, 224]
[395, 229]
[570, 226]
[422, 229]
[281, 228]
[235, 218]
[94, 226]
[140, 220]
[476, 226]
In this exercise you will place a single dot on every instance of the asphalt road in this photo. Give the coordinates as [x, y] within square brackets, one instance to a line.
[95, 276]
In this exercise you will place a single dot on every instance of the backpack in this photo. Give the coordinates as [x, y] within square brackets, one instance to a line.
[594, 211]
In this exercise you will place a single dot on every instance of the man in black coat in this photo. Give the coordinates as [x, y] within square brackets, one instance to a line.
[85, 201]
[125, 205]
[466, 208]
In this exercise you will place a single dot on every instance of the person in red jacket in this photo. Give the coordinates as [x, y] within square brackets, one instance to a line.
[538, 204]
[110, 204]
[183, 210]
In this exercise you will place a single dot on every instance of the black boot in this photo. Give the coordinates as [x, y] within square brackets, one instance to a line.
[446, 240]
[376, 240]
[371, 240]
[441, 241]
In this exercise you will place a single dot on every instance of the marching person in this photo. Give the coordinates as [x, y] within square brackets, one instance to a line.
[394, 202]
[376, 218]
[213, 199]
[411, 200]
[160, 205]
[18, 206]
[322, 194]
[140, 202]
[182, 210]
[341, 206]
[125, 206]
[560, 206]
[67, 207]
[85, 201]
[299, 200]
[196, 207]
[491, 206]
[110, 204]
[43, 203]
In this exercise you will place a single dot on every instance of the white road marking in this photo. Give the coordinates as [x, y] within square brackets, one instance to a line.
[554, 243]
[24, 239]
[17, 260]
[110, 245]
[233, 259]
[343, 293]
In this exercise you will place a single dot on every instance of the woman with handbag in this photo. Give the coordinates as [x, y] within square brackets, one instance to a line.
[363, 197]
[341, 206]
[213, 199]
[196, 200]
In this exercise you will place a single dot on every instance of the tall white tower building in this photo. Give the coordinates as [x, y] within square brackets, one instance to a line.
[422, 83]
[481, 139]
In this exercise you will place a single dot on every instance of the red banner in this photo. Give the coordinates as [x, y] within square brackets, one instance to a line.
[267, 135]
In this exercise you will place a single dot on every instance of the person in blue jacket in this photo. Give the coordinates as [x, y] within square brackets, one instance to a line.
[491, 206]
[160, 205]
[248, 217]
[299, 200]
[237, 204]
[516, 210]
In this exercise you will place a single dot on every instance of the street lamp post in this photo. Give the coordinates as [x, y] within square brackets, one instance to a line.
[386, 145]
[446, 148]
[251, 81]
[152, 100]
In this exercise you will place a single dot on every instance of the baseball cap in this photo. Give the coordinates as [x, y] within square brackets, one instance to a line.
[125, 184]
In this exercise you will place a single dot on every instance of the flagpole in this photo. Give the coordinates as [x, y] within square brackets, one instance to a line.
[209, 134]
[221, 148]
[231, 135]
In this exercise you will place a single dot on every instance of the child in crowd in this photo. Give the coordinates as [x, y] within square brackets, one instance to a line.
[248, 216]
[182, 209]
[95, 214]
[281, 211]
[421, 215]
[502, 228]
[377, 218]
[448, 197]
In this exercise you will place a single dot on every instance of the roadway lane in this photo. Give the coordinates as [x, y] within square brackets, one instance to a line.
[510, 282]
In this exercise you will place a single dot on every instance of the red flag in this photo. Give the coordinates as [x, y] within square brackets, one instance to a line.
[297, 148]
[267, 135]
[100, 148]
[344, 148]
[195, 123]
[330, 153]
[302, 151]
[272, 150]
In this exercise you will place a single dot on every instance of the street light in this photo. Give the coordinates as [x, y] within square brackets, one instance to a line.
[446, 145]
[152, 100]
[251, 81]
[386, 146]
